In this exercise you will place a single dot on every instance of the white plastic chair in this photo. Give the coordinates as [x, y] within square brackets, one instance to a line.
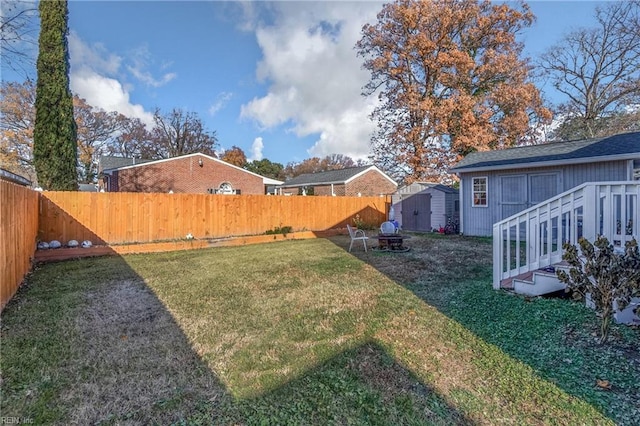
[387, 228]
[357, 234]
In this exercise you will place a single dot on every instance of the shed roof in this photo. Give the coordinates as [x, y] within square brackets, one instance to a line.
[618, 147]
[339, 176]
[432, 185]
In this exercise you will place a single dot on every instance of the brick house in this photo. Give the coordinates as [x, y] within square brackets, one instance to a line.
[191, 173]
[352, 181]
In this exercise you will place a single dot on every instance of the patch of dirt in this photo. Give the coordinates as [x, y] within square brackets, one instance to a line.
[450, 259]
[133, 361]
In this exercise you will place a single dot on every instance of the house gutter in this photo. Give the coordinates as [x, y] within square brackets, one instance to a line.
[509, 166]
[297, 185]
[12, 177]
[460, 198]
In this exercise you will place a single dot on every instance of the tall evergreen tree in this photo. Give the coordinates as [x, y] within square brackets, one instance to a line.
[54, 136]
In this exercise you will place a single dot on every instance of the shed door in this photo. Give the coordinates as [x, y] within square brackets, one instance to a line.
[416, 213]
[519, 192]
[513, 195]
[542, 187]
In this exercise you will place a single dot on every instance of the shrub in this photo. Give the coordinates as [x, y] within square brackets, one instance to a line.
[361, 224]
[604, 275]
[284, 230]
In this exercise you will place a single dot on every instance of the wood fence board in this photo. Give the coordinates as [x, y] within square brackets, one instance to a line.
[121, 218]
[18, 232]
[134, 218]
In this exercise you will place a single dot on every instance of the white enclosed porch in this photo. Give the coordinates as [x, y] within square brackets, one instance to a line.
[527, 247]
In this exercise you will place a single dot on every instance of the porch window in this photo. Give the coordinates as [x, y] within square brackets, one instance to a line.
[479, 191]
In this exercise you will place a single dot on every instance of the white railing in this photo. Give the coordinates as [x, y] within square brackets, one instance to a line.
[533, 238]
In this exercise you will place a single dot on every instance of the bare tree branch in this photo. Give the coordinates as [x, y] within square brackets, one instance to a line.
[179, 133]
[598, 70]
[18, 36]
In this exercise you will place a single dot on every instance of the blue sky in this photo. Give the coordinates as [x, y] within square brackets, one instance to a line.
[281, 80]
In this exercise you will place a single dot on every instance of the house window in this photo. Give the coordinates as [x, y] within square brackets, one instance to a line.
[479, 192]
[226, 188]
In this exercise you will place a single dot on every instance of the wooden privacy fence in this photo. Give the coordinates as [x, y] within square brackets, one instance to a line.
[124, 218]
[18, 233]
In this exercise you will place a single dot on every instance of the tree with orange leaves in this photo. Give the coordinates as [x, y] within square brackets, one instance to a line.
[17, 103]
[235, 155]
[98, 131]
[450, 80]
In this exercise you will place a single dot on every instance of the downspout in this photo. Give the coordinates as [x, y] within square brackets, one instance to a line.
[629, 170]
[460, 200]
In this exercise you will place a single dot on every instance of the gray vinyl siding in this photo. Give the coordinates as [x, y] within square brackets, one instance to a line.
[438, 209]
[595, 172]
[478, 221]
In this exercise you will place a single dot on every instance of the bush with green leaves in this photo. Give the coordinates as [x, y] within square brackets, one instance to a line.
[359, 223]
[284, 230]
[604, 275]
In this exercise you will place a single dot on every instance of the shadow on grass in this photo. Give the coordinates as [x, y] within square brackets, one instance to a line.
[86, 342]
[89, 342]
[552, 336]
[364, 385]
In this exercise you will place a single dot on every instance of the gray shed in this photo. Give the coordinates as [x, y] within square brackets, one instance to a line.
[497, 184]
[424, 206]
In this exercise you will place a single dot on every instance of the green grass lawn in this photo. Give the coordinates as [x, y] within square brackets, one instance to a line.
[303, 332]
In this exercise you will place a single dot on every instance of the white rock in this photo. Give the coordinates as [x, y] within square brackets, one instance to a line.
[72, 243]
[86, 244]
[43, 245]
[54, 244]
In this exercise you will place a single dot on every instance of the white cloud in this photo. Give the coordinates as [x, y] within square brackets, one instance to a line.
[141, 58]
[256, 149]
[108, 94]
[220, 102]
[148, 79]
[94, 57]
[315, 78]
[94, 73]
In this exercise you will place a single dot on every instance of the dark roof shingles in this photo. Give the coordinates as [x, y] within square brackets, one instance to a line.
[109, 162]
[626, 143]
[330, 176]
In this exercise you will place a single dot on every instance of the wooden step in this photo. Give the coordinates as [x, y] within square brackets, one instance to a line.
[541, 282]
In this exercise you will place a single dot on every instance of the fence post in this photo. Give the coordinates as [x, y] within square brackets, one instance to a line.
[589, 208]
[18, 233]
